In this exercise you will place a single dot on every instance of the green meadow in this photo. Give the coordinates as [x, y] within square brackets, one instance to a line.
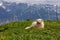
[16, 31]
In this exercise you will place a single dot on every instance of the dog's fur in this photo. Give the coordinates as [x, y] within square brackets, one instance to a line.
[39, 23]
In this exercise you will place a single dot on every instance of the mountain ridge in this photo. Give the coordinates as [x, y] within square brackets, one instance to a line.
[23, 11]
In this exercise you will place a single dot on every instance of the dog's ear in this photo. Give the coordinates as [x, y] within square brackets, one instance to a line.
[42, 20]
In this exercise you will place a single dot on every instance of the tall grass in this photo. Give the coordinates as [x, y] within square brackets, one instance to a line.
[16, 31]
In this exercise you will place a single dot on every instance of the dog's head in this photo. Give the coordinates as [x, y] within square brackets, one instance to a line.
[40, 23]
[39, 20]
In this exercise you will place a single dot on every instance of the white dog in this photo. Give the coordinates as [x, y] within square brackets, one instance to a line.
[39, 23]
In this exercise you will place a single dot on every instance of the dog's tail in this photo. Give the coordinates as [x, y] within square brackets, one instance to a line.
[28, 27]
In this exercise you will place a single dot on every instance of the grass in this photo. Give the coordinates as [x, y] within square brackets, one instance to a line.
[15, 31]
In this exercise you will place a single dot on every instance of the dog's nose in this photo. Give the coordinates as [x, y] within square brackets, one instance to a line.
[38, 23]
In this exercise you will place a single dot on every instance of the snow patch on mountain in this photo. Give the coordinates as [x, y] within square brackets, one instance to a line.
[1, 3]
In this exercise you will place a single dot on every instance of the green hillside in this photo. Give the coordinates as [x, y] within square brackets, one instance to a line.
[16, 31]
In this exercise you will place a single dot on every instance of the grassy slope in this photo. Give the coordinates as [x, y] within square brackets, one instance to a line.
[16, 31]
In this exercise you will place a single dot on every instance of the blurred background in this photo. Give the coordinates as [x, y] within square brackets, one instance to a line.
[13, 10]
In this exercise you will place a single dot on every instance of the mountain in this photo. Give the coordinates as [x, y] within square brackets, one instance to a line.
[22, 11]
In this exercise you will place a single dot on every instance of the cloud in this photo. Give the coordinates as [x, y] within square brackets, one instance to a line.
[36, 1]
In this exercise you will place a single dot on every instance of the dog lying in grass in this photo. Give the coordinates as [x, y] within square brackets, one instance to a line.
[38, 23]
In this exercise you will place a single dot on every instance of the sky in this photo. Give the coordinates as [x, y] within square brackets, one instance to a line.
[36, 1]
